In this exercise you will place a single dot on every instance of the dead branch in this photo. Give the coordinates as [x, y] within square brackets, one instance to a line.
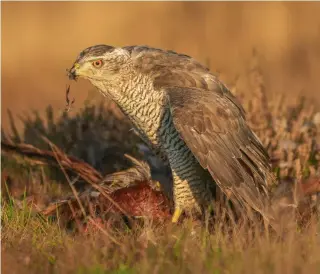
[33, 154]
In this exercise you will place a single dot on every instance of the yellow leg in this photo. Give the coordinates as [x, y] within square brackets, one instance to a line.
[158, 185]
[176, 215]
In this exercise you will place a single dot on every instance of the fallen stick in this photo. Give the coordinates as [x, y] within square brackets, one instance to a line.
[39, 156]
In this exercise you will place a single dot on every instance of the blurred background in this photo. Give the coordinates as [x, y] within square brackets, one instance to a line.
[40, 40]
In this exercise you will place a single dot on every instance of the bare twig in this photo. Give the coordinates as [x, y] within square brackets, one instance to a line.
[39, 156]
[103, 230]
[69, 104]
[70, 184]
[94, 184]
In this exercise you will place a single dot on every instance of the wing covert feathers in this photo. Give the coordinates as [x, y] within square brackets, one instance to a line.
[214, 129]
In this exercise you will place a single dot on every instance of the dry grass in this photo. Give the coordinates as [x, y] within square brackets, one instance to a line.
[102, 243]
[36, 245]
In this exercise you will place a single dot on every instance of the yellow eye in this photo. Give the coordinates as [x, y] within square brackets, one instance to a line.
[97, 63]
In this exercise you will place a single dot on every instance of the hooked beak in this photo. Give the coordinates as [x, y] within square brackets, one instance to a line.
[72, 73]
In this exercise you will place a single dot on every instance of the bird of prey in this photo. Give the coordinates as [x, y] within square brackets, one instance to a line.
[188, 118]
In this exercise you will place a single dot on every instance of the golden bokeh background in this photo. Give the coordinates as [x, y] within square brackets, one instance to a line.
[41, 39]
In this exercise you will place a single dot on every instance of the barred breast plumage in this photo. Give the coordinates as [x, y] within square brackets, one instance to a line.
[189, 118]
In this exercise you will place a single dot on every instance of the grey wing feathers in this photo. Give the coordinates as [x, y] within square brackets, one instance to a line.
[214, 128]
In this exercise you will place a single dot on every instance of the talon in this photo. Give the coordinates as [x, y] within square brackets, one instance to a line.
[176, 215]
[158, 185]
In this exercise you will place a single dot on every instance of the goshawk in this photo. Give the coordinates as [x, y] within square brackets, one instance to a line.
[188, 118]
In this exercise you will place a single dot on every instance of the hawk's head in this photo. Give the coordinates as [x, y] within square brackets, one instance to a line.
[100, 62]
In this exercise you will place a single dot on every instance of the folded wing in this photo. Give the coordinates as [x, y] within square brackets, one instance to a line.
[215, 130]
